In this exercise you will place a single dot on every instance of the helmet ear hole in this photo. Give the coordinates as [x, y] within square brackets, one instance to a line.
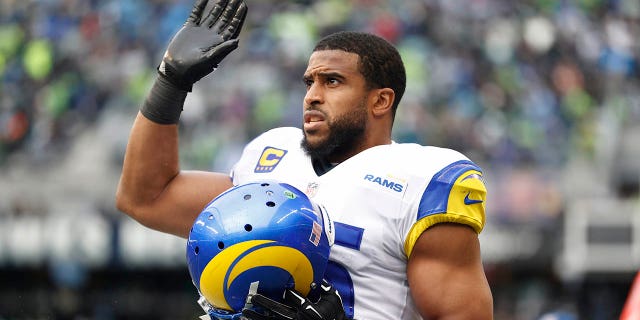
[196, 250]
[220, 245]
[270, 204]
[248, 227]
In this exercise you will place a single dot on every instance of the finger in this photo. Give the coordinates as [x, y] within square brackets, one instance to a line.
[326, 287]
[213, 14]
[227, 15]
[223, 49]
[233, 29]
[274, 306]
[332, 296]
[293, 298]
[329, 294]
[196, 12]
[252, 315]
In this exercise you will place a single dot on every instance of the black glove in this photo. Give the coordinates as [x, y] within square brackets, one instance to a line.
[295, 306]
[209, 35]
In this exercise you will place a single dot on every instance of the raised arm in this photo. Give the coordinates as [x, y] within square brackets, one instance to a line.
[446, 277]
[152, 189]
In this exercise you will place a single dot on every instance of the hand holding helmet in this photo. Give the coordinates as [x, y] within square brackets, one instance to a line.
[296, 306]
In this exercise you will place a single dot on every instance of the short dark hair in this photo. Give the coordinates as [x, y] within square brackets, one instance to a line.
[380, 62]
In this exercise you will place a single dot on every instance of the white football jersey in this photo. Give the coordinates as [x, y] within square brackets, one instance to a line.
[381, 200]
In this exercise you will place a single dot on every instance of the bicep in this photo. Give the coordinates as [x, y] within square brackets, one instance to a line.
[184, 197]
[446, 276]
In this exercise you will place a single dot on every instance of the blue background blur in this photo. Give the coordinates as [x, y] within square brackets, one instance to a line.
[543, 94]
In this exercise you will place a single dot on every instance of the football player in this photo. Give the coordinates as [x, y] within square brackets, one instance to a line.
[407, 217]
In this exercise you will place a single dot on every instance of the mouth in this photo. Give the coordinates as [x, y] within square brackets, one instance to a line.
[313, 120]
[313, 116]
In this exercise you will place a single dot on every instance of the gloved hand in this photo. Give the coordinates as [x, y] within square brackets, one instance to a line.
[295, 306]
[208, 36]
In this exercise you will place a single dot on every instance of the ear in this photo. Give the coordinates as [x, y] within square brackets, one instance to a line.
[383, 101]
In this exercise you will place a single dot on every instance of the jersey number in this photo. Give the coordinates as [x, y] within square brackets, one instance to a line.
[351, 237]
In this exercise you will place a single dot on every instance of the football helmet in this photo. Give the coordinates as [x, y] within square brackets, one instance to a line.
[265, 234]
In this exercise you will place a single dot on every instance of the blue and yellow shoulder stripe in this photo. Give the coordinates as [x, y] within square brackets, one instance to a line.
[457, 194]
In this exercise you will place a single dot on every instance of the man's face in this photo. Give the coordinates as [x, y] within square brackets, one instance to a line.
[335, 106]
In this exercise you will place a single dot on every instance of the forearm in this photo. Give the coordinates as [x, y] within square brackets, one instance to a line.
[150, 163]
[151, 159]
[152, 189]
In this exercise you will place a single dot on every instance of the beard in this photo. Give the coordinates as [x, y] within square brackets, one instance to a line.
[345, 134]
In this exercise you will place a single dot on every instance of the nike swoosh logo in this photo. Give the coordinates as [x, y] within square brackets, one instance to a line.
[468, 201]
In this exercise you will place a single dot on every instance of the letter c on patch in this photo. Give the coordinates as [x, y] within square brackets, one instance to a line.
[269, 159]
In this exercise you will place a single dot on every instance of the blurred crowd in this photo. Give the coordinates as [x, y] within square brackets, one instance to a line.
[514, 84]
[531, 90]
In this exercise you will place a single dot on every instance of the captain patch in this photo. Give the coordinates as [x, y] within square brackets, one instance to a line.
[269, 159]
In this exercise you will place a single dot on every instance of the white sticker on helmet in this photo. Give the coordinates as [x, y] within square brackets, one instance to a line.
[328, 225]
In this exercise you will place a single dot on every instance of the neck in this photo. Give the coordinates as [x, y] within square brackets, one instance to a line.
[321, 166]
[339, 156]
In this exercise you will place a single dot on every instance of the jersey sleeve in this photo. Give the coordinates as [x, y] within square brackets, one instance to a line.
[456, 194]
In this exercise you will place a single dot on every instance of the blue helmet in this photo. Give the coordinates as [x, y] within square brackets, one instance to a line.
[266, 233]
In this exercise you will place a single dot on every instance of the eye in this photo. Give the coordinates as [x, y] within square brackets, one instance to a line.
[333, 81]
[307, 82]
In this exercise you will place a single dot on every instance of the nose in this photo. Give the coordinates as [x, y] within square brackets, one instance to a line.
[314, 95]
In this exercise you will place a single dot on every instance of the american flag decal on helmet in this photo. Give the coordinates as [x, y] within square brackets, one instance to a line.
[316, 233]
